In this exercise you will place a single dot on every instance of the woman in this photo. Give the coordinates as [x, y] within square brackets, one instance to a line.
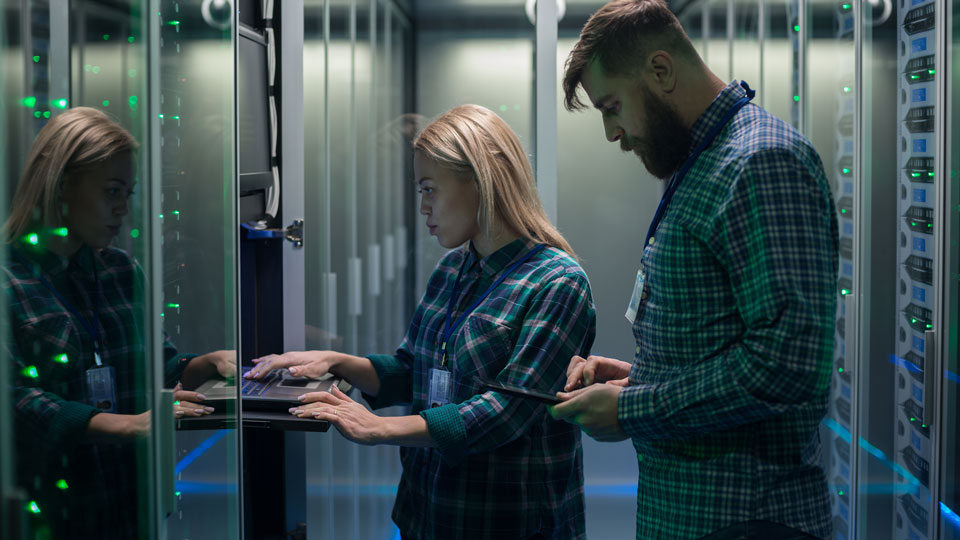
[511, 305]
[77, 338]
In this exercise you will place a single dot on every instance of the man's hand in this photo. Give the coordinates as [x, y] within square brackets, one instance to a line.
[594, 409]
[583, 372]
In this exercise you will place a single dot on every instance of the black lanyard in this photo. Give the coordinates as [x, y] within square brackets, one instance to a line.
[448, 327]
[678, 176]
[91, 329]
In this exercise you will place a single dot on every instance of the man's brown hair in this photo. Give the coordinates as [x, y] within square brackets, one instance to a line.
[619, 36]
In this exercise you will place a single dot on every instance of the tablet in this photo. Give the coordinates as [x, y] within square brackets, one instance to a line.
[519, 391]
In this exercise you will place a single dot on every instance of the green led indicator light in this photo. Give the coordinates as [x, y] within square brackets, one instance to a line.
[846, 89]
[132, 73]
[37, 114]
[929, 326]
[846, 170]
[160, 216]
[160, 116]
[931, 71]
[30, 371]
[175, 117]
[929, 225]
[796, 98]
[33, 507]
[59, 103]
[161, 315]
[844, 292]
[843, 210]
[61, 358]
[912, 320]
[840, 370]
[46, 114]
[912, 419]
[923, 425]
[915, 175]
[130, 39]
[95, 70]
[62, 484]
[503, 108]
[106, 103]
[36, 59]
[106, 37]
[840, 492]
[174, 306]
[135, 233]
[176, 402]
[175, 212]
[930, 174]
[846, 7]
[32, 239]
[796, 28]
[174, 23]
[62, 232]
[177, 493]
[29, 101]
[132, 101]
[913, 223]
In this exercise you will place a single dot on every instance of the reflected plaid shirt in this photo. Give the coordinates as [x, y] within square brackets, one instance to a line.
[734, 336]
[502, 467]
[50, 351]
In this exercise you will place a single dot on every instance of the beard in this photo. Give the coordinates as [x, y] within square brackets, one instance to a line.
[667, 141]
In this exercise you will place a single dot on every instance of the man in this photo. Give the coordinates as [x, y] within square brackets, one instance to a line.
[734, 302]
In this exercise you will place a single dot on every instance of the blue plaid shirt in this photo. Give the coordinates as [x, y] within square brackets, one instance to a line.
[734, 336]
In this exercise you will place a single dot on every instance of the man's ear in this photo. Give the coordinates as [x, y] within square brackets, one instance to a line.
[663, 71]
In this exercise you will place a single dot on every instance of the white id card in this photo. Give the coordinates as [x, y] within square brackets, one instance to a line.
[439, 387]
[102, 388]
[631, 313]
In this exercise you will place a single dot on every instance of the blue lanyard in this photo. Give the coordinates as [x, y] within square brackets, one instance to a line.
[92, 330]
[678, 176]
[450, 328]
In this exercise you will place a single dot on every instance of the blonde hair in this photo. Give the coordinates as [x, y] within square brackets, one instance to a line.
[473, 139]
[71, 142]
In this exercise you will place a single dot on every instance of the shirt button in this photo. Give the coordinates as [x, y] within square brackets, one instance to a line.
[638, 349]
[644, 295]
[651, 241]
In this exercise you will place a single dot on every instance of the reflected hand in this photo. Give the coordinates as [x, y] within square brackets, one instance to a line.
[225, 362]
[313, 364]
[594, 409]
[352, 420]
[595, 369]
[188, 403]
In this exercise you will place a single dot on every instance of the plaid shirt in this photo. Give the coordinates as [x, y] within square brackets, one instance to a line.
[51, 413]
[502, 467]
[734, 336]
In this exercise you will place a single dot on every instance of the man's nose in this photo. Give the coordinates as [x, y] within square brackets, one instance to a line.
[612, 130]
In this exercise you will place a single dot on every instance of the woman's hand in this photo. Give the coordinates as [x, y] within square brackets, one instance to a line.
[313, 364]
[188, 403]
[351, 419]
[596, 369]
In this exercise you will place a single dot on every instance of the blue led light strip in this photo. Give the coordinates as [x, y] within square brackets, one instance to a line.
[872, 450]
[199, 450]
[950, 516]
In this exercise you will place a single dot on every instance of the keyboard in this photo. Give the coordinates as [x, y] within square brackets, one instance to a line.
[254, 387]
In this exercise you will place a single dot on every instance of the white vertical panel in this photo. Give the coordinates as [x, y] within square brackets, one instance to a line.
[546, 103]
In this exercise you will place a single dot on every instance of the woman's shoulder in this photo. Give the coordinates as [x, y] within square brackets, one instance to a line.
[556, 261]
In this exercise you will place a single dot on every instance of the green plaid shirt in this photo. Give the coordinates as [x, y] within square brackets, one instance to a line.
[734, 336]
[502, 469]
[48, 351]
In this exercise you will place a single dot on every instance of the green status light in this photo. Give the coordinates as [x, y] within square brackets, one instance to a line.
[62, 484]
[59, 103]
[846, 89]
[173, 23]
[29, 101]
[840, 370]
[796, 98]
[846, 7]
[36, 59]
[135, 233]
[130, 39]
[62, 232]
[796, 28]
[844, 292]
[46, 114]
[30, 371]
[174, 306]
[846, 170]
[61, 358]
[106, 103]
[33, 507]
[37, 114]
[106, 37]
[32, 239]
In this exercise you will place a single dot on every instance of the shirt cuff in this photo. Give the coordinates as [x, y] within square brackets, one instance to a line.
[448, 431]
[636, 411]
[395, 383]
[70, 422]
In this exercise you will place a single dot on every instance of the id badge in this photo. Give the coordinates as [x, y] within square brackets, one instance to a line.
[439, 387]
[634, 305]
[102, 388]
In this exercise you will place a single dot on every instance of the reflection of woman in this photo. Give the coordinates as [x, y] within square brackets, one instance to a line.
[77, 336]
[511, 305]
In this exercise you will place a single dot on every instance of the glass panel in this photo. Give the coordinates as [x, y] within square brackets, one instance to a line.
[76, 360]
[896, 293]
[779, 70]
[195, 158]
[950, 455]
[746, 42]
[831, 110]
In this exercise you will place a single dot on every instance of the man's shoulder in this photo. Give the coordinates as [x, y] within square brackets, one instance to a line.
[758, 133]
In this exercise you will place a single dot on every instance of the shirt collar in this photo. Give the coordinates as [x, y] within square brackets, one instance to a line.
[727, 97]
[494, 263]
[55, 265]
